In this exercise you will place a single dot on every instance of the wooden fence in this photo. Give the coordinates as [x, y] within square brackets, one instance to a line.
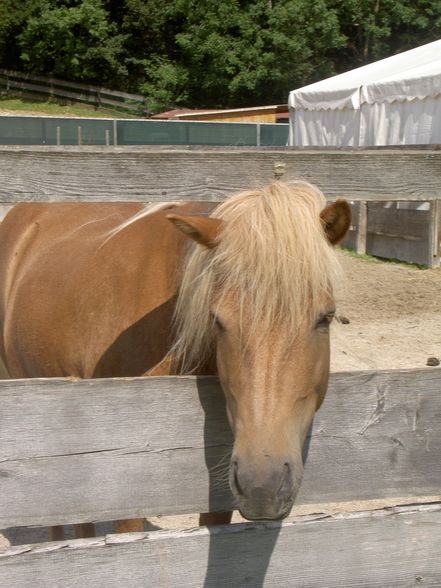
[405, 230]
[375, 180]
[75, 451]
[94, 450]
[30, 86]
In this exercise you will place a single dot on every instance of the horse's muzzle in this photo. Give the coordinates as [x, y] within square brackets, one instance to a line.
[264, 494]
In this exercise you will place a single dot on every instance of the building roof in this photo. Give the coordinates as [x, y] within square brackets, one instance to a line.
[189, 113]
[174, 113]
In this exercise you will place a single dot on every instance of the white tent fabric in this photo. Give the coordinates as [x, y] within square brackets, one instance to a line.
[395, 101]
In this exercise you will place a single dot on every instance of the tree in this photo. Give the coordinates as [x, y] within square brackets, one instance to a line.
[73, 41]
[211, 53]
[251, 52]
[379, 28]
[154, 58]
[13, 17]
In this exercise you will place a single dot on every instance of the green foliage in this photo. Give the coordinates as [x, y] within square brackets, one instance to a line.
[72, 42]
[378, 28]
[166, 82]
[151, 28]
[373, 259]
[208, 53]
[251, 52]
[13, 17]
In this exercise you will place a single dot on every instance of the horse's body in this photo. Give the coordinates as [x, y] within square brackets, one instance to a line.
[90, 290]
[74, 302]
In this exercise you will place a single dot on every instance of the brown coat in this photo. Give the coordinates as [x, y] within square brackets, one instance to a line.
[74, 304]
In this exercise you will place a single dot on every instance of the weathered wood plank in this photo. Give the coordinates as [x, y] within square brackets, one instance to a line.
[51, 87]
[394, 548]
[400, 233]
[32, 89]
[76, 451]
[394, 247]
[387, 219]
[362, 227]
[435, 234]
[153, 174]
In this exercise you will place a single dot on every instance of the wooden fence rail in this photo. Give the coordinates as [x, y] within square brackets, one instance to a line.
[391, 548]
[391, 230]
[81, 450]
[30, 86]
[76, 451]
[369, 178]
[50, 173]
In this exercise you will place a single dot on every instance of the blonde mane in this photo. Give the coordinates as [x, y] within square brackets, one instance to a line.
[147, 210]
[273, 256]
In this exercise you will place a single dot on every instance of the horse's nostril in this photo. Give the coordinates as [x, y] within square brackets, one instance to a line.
[285, 488]
[236, 478]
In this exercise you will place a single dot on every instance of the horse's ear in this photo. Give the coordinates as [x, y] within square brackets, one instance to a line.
[202, 229]
[336, 219]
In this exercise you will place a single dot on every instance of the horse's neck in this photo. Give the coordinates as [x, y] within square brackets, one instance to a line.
[169, 367]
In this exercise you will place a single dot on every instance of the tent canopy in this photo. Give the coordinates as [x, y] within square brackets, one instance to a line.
[409, 77]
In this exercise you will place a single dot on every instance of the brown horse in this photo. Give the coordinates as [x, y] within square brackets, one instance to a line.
[97, 290]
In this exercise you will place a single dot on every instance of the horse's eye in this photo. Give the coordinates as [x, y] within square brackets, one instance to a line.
[218, 323]
[325, 320]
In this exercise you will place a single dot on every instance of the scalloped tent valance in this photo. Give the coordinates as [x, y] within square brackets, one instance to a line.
[395, 101]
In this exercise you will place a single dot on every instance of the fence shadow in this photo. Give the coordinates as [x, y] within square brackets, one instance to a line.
[226, 564]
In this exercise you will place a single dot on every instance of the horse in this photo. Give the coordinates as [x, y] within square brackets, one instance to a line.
[243, 290]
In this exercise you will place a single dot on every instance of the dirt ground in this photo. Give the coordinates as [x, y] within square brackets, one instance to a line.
[394, 312]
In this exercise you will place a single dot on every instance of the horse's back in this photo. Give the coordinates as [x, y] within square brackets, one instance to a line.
[28, 230]
[79, 297]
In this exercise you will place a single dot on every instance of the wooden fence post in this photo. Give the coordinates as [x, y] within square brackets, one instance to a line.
[434, 234]
[360, 243]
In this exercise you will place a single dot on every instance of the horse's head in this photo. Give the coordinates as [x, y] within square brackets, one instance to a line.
[259, 291]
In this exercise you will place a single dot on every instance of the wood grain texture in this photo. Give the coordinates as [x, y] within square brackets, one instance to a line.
[386, 219]
[435, 234]
[362, 227]
[386, 230]
[88, 450]
[394, 548]
[153, 174]
[394, 247]
[396, 233]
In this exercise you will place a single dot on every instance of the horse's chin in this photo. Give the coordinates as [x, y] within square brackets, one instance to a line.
[264, 516]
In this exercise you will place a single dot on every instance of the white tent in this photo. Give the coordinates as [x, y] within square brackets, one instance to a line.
[395, 101]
